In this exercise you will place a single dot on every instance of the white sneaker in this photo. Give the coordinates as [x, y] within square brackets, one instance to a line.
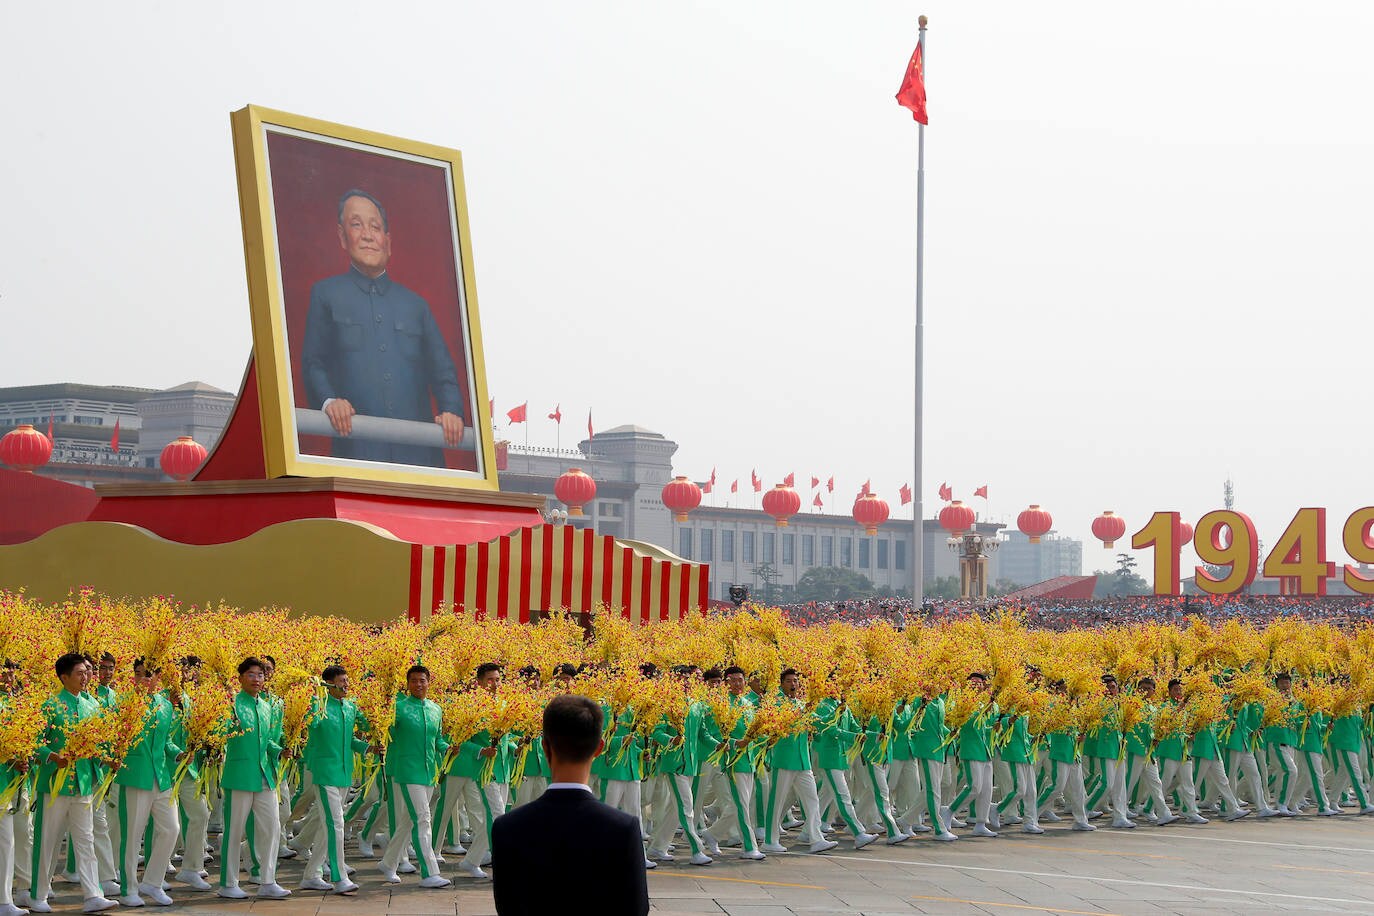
[1032, 828]
[345, 887]
[898, 839]
[650, 863]
[192, 880]
[406, 867]
[792, 824]
[921, 828]
[754, 855]
[1166, 820]
[111, 888]
[823, 846]
[776, 849]
[1124, 824]
[864, 839]
[1328, 812]
[946, 837]
[97, 905]
[452, 850]
[273, 891]
[701, 858]
[1367, 809]
[9, 909]
[231, 893]
[156, 894]
[661, 855]
[365, 850]
[286, 852]
[1269, 812]
[984, 830]
[471, 870]
[314, 884]
[435, 881]
[129, 900]
[1051, 817]
[1238, 814]
[1195, 819]
[389, 876]
[38, 906]
[1083, 825]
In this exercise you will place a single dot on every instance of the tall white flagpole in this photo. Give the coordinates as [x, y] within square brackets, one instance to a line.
[918, 533]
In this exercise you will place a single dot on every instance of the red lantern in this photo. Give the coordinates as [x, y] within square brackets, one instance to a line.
[1185, 535]
[25, 448]
[1109, 528]
[781, 502]
[1034, 523]
[180, 459]
[574, 489]
[681, 496]
[870, 511]
[956, 518]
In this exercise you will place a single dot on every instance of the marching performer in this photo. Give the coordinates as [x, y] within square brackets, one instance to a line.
[791, 772]
[413, 757]
[145, 790]
[836, 731]
[331, 744]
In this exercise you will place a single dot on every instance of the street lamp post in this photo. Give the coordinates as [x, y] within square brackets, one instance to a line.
[973, 550]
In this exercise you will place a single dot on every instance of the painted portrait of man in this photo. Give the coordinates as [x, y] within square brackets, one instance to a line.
[372, 346]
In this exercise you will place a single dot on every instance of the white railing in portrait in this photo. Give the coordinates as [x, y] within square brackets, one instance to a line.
[379, 429]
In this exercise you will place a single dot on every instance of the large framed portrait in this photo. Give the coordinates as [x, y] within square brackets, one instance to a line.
[365, 329]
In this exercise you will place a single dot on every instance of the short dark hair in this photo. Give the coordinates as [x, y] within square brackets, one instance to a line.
[1146, 680]
[733, 669]
[1173, 681]
[269, 659]
[354, 192]
[977, 674]
[566, 669]
[331, 672]
[11, 664]
[486, 668]
[572, 728]
[107, 657]
[648, 669]
[1109, 678]
[787, 671]
[67, 663]
[529, 671]
[141, 663]
[712, 674]
[191, 661]
[417, 669]
[251, 661]
[1283, 676]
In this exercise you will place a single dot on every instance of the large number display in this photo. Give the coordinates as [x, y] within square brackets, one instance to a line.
[1226, 542]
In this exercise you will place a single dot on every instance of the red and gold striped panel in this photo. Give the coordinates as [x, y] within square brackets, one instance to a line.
[553, 568]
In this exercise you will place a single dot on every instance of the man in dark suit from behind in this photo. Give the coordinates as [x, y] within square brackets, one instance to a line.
[565, 849]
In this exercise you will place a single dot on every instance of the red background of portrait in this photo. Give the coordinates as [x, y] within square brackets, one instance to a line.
[308, 176]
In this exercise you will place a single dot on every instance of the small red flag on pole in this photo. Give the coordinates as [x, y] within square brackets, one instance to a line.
[817, 502]
[557, 415]
[734, 487]
[589, 425]
[50, 419]
[517, 414]
[815, 482]
[906, 493]
[912, 95]
[114, 440]
[830, 484]
[981, 491]
[945, 492]
[791, 479]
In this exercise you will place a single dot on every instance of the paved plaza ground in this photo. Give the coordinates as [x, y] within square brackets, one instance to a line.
[1313, 865]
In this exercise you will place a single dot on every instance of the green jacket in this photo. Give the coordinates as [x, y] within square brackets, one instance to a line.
[877, 747]
[250, 759]
[1104, 742]
[835, 730]
[1245, 722]
[975, 735]
[794, 751]
[683, 757]
[1172, 746]
[1205, 743]
[62, 710]
[417, 744]
[7, 773]
[471, 763]
[1139, 740]
[1287, 732]
[626, 766]
[178, 733]
[902, 721]
[331, 741]
[928, 736]
[1316, 730]
[152, 762]
[748, 760]
[1346, 733]
[1018, 746]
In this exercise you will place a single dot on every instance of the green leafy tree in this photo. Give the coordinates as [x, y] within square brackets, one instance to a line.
[832, 583]
[766, 583]
[943, 587]
[1124, 580]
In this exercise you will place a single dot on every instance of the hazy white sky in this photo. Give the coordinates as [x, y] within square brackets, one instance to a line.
[1147, 231]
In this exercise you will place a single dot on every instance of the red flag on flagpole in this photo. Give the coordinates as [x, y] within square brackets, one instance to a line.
[817, 502]
[50, 418]
[912, 94]
[114, 440]
[945, 492]
[734, 487]
[706, 487]
[517, 414]
[557, 415]
[906, 493]
[713, 477]
[754, 479]
[491, 407]
[791, 479]
[815, 482]
[830, 484]
[867, 488]
[981, 491]
[589, 425]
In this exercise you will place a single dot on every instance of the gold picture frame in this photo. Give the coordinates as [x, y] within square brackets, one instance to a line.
[293, 171]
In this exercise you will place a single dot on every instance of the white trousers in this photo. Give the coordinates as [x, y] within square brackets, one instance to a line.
[737, 809]
[530, 788]
[413, 828]
[676, 812]
[1210, 773]
[1178, 777]
[1312, 778]
[802, 783]
[485, 804]
[1283, 767]
[1144, 780]
[1245, 771]
[877, 797]
[1023, 794]
[238, 804]
[624, 795]
[1068, 779]
[195, 831]
[328, 841]
[7, 819]
[53, 818]
[835, 798]
[136, 806]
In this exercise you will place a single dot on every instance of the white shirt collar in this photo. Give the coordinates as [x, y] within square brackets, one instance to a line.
[570, 785]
